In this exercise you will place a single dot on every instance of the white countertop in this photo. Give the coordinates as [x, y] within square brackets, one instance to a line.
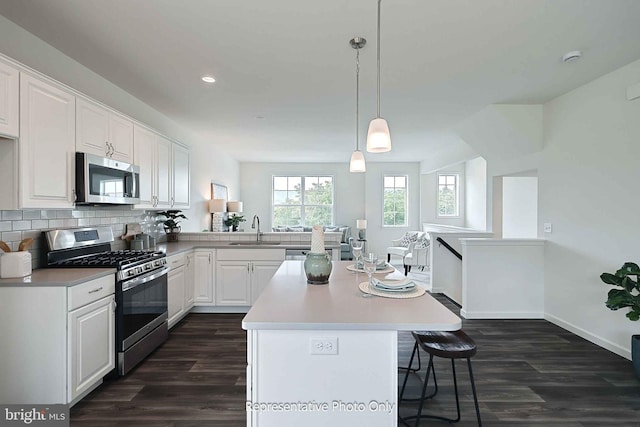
[58, 277]
[289, 303]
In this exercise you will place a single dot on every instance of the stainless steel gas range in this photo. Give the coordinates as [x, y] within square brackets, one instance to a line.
[141, 287]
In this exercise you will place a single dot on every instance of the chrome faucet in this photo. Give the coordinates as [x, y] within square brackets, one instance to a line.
[253, 225]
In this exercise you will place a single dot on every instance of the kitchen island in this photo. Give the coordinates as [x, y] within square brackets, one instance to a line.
[321, 355]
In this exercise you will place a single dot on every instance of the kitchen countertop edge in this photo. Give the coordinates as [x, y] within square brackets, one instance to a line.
[174, 248]
[57, 277]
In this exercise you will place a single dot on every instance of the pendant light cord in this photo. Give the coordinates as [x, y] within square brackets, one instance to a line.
[357, 97]
[378, 47]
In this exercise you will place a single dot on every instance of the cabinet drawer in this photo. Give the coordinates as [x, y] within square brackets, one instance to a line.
[175, 261]
[89, 292]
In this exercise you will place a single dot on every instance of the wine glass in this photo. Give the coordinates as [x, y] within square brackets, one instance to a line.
[370, 263]
[356, 249]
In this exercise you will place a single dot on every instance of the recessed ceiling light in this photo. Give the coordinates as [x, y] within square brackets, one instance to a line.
[208, 79]
[571, 56]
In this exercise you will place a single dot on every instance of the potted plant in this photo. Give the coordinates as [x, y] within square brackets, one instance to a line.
[234, 221]
[627, 296]
[171, 226]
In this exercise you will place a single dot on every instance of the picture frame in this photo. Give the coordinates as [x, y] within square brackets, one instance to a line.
[220, 191]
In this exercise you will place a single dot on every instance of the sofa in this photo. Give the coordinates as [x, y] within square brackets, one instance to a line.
[345, 241]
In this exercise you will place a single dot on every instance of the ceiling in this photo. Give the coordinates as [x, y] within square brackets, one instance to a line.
[285, 72]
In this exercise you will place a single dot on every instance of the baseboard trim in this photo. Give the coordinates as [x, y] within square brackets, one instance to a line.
[501, 314]
[597, 340]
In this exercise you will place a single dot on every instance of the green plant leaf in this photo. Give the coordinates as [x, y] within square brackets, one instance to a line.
[611, 279]
[629, 284]
[633, 315]
[619, 298]
[628, 269]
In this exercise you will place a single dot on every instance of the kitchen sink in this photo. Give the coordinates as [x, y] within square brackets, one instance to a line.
[254, 243]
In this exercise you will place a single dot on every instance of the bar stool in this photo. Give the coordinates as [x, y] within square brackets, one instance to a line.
[448, 345]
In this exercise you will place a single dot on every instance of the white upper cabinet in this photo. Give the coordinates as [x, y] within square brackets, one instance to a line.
[144, 155]
[180, 177]
[103, 132]
[9, 85]
[164, 173]
[152, 153]
[47, 145]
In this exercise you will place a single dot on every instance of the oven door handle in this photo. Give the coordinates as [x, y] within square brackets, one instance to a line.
[144, 279]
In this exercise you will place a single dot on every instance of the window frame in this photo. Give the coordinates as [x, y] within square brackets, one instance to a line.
[302, 204]
[457, 191]
[406, 200]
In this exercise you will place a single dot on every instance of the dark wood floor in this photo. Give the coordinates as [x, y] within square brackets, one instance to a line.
[528, 373]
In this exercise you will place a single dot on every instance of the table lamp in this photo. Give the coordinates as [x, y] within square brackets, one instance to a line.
[361, 225]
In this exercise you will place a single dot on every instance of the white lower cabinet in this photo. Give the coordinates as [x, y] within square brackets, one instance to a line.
[234, 283]
[242, 274]
[176, 283]
[91, 338]
[70, 344]
[180, 286]
[203, 277]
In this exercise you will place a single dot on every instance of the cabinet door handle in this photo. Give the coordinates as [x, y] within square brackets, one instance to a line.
[93, 291]
[209, 257]
[172, 201]
[75, 195]
[252, 267]
[107, 148]
[248, 268]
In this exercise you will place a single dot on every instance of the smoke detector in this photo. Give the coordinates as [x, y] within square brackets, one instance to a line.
[571, 56]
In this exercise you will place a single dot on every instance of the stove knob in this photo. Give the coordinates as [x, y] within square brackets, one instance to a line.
[130, 273]
[147, 266]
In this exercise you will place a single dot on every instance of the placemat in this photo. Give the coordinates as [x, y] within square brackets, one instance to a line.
[417, 292]
[389, 269]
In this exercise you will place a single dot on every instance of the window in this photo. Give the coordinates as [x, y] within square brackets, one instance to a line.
[448, 195]
[395, 201]
[302, 200]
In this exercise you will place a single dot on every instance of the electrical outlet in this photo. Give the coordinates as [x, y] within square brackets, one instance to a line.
[323, 345]
[548, 227]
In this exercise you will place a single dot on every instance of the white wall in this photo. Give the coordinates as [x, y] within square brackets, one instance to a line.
[519, 207]
[207, 162]
[475, 185]
[588, 180]
[379, 237]
[349, 196]
[357, 195]
[429, 197]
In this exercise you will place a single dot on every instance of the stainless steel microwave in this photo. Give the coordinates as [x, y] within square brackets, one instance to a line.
[100, 180]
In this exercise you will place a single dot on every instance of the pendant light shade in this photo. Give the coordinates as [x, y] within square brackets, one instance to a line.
[357, 163]
[378, 137]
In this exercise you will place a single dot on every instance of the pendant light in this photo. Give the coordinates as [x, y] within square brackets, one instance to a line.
[357, 163]
[378, 137]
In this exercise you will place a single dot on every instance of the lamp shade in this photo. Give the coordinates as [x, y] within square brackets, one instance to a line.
[357, 163]
[234, 206]
[217, 205]
[378, 137]
[361, 224]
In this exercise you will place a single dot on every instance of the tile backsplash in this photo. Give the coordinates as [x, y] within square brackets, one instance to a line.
[18, 225]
